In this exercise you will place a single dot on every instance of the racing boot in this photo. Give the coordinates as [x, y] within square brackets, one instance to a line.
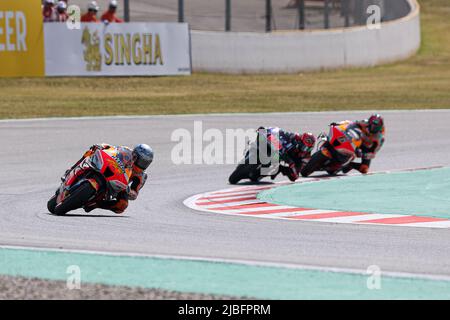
[89, 208]
[347, 169]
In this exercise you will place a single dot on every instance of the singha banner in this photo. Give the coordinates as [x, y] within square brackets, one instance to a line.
[126, 49]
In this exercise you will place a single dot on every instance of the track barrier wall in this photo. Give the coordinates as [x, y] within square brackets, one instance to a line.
[30, 48]
[297, 51]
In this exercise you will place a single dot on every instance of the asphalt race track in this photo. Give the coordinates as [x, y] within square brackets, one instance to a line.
[35, 153]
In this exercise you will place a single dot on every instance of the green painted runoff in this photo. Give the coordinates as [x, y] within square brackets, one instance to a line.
[232, 279]
[421, 193]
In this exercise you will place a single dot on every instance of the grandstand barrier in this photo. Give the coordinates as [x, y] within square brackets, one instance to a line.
[30, 48]
[297, 51]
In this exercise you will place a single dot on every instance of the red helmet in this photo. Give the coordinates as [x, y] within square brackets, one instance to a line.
[375, 123]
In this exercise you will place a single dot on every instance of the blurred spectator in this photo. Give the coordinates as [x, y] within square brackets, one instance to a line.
[110, 14]
[48, 11]
[292, 4]
[91, 15]
[61, 12]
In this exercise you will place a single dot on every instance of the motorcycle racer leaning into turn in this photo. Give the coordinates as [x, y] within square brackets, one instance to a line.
[373, 132]
[138, 160]
[297, 151]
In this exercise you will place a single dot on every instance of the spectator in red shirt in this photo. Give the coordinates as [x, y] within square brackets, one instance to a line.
[61, 12]
[110, 15]
[91, 15]
[48, 11]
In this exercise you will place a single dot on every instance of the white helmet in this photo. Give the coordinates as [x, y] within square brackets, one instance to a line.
[62, 5]
[113, 3]
[50, 2]
[93, 6]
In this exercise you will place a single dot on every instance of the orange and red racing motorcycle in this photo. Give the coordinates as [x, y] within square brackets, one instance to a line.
[100, 176]
[335, 150]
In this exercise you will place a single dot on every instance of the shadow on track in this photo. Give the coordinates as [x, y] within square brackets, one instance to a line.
[259, 183]
[250, 183]
[88, 215]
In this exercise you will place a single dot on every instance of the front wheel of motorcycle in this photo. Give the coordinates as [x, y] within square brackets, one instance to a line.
[241, 172]
[51, 204]
[76, 199]
[316, 162]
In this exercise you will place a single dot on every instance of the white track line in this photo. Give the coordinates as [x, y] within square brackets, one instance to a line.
[433, 224]
[300, 213]
[361, 218]
[250, 210]
[197, 115]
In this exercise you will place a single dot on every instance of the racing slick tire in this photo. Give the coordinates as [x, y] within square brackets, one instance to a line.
[316, 162]
[76, 199]
[242, 172]
[51, 204]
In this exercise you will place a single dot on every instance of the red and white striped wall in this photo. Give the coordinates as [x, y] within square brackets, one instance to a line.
[243, 201]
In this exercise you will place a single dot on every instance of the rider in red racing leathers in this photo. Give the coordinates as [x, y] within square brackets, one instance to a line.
[373, 132]
[297, 151]
[140, 159]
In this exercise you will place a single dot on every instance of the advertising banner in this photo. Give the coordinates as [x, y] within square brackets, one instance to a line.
[117, 49]
[21, 38]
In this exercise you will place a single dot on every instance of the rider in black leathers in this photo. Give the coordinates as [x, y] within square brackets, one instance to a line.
[297, 150]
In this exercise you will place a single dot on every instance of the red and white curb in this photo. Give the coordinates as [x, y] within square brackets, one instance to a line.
[243, 201]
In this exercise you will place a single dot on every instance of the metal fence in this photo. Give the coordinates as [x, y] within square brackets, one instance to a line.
[256, 15]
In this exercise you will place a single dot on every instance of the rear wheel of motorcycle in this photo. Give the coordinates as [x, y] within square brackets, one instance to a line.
[316, 162]
[76, 199]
